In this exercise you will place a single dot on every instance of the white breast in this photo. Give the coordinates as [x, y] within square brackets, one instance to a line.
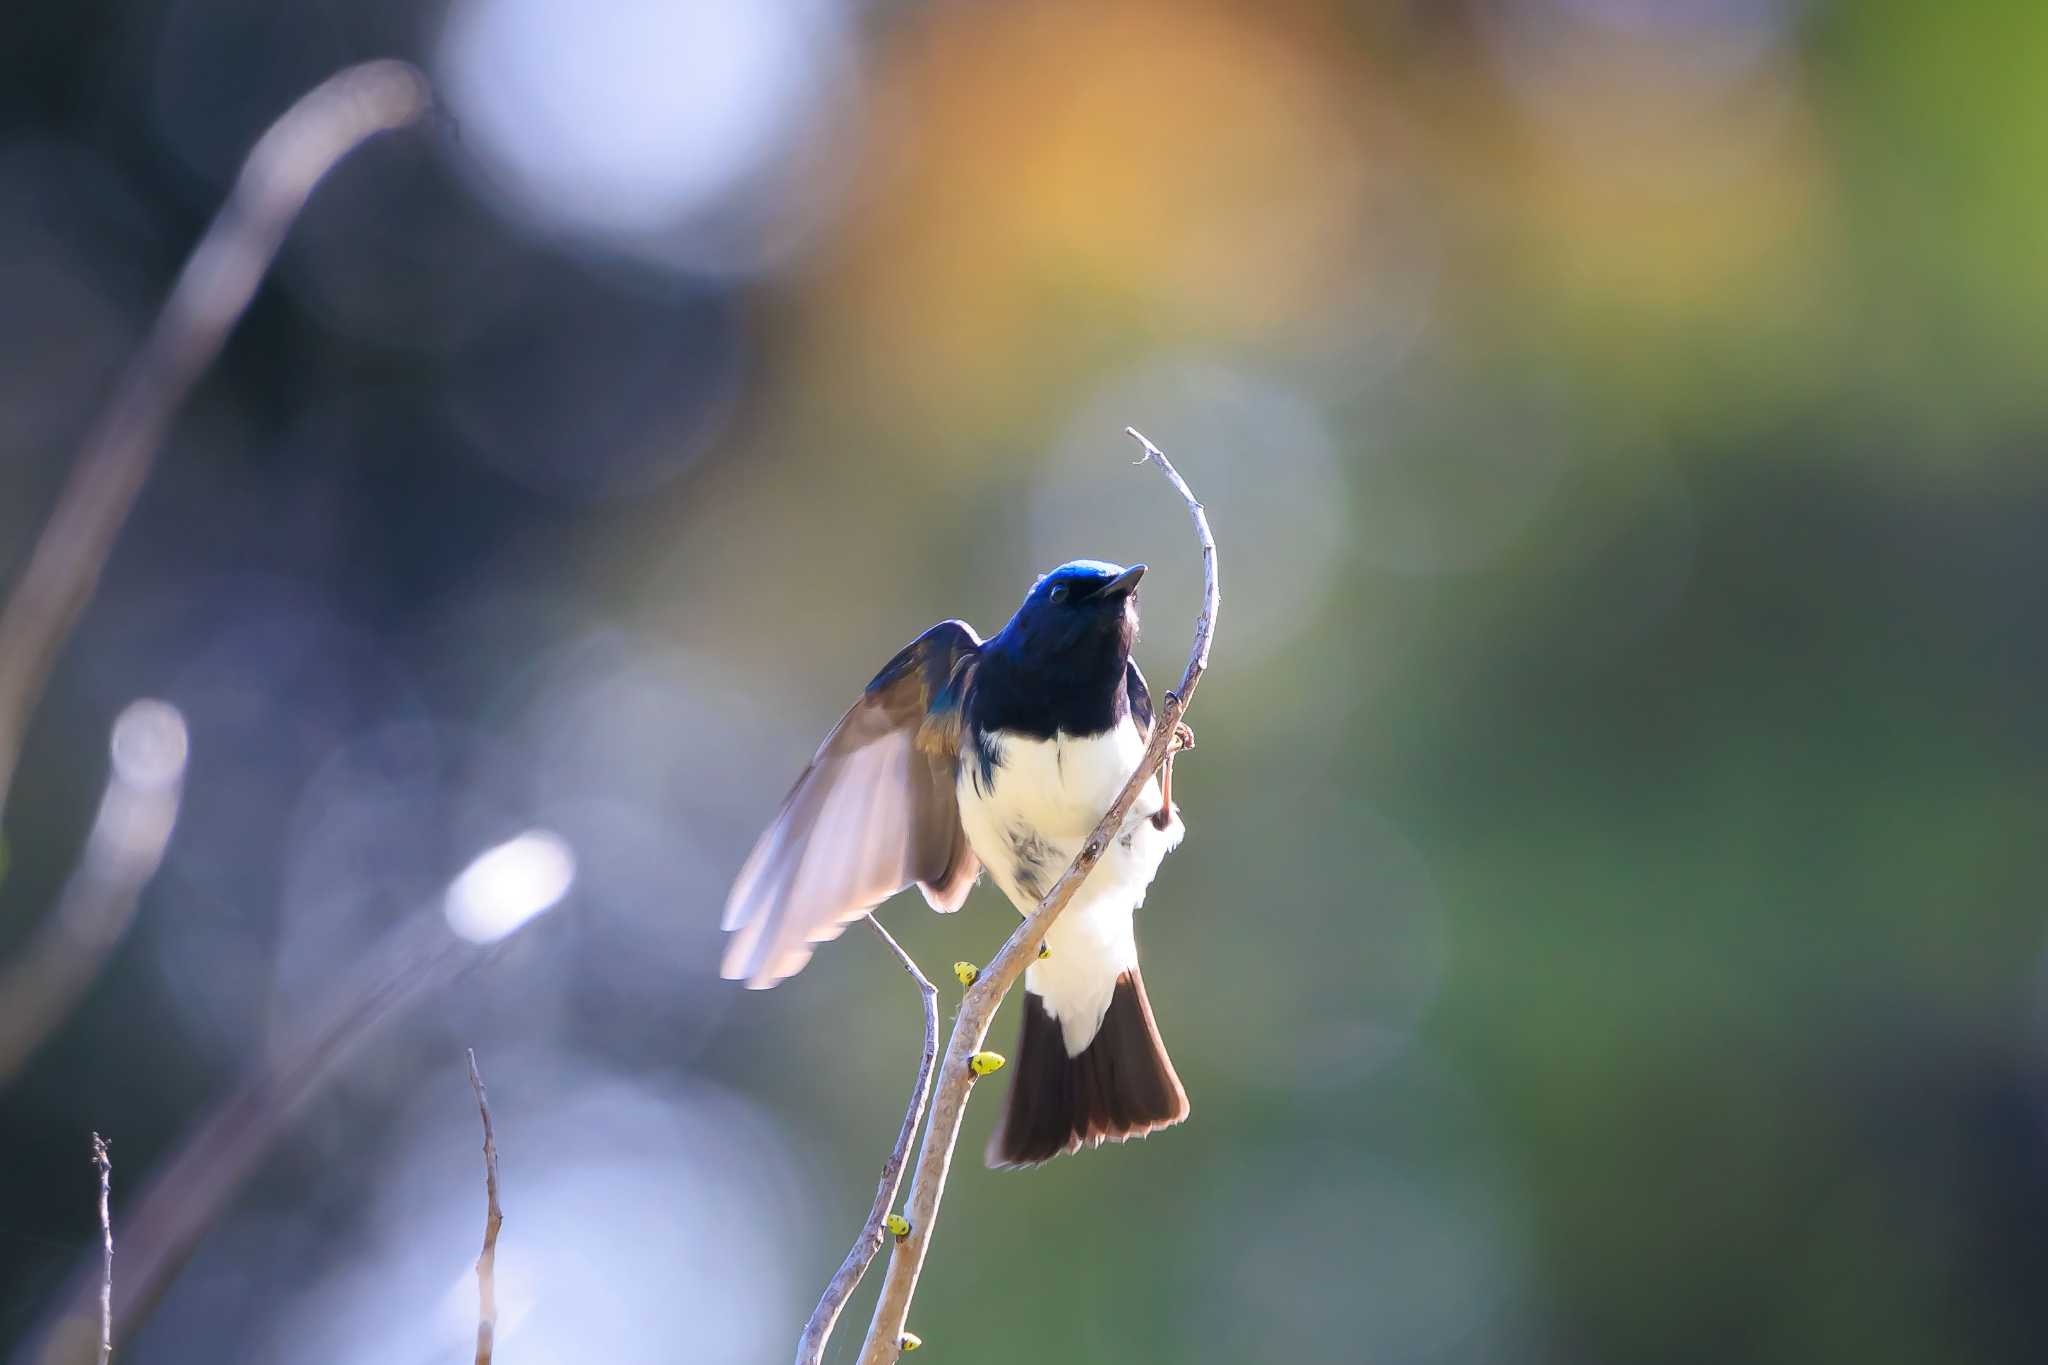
[1062, 786]
[1026, 826]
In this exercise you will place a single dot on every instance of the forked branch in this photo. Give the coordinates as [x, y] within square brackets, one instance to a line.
[886, 1334]
[811, 1347]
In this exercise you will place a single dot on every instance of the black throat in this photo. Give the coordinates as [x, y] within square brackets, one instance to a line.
[1077, 689]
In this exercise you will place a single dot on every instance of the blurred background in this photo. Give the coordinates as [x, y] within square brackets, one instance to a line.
[1610, 928]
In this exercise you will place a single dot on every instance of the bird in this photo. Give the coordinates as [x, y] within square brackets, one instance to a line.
[966, 755]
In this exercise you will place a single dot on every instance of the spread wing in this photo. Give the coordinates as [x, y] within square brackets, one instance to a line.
[873, 813]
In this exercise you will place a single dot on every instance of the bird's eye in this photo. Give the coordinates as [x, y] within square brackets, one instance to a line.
[1058, 594]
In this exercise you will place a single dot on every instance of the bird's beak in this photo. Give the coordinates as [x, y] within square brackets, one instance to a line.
[1124, 583]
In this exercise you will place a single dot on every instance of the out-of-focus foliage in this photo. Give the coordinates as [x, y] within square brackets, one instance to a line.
[1610, 926]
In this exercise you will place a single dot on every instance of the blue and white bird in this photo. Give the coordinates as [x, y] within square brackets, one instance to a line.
[965, 754]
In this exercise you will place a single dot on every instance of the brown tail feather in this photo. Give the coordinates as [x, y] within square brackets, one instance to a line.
[1121, 1086]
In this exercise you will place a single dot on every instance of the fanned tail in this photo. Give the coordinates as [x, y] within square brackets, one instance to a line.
[1121, 1086]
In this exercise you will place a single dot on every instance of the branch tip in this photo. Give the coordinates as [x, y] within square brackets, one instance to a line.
[213, 289]
[103, 1162]
[487, 1259]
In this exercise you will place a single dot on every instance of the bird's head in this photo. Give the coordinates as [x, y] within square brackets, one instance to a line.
[1084, 609]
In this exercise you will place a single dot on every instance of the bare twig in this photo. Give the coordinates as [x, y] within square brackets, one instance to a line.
[102, 1160]
[187, 1193]
[487, 1259]
[811, 1348]
[215, 286]
[40, 983]
[978, 1006]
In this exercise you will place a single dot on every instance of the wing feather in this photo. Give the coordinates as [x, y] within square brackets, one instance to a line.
[874, 812]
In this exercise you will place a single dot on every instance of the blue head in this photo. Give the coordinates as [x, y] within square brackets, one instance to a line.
[1082, 616]
[1059, 665]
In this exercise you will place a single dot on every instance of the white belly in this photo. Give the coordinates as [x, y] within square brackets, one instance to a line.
[1026, 827]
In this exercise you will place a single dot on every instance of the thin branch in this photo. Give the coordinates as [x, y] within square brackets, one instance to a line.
[978, 1007]
[494, 1217]
[145, 783]
[104, 1161]
[218, 280]
[183, 1198]
[811, 1347]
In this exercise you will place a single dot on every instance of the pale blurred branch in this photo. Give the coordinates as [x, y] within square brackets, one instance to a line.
[218, 280]
[187, 1192]
[978, 1007]
[487, 1259]
[140, 807]
[811, 1348]
[103, 1161]
[145, 782]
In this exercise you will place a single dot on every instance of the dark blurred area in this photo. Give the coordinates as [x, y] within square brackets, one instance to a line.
[1611, 924]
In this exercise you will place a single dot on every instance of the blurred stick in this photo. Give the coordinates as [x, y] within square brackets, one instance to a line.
[811, 1347]
[105, 1163]
[187, 1193]
[145, 782]
[211, 292]
[978, 1007]
[487, 1260]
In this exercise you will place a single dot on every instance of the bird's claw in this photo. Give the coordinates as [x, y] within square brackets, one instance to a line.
[1183, 739]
